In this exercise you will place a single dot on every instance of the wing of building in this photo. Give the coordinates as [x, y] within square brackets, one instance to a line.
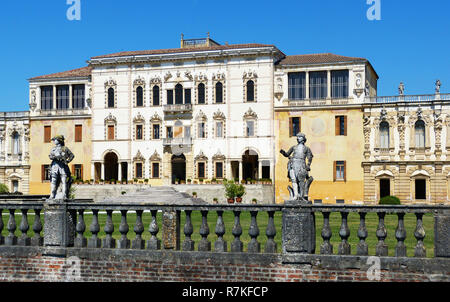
[208, 111]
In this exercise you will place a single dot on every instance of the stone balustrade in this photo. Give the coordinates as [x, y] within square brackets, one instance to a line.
[64, 225]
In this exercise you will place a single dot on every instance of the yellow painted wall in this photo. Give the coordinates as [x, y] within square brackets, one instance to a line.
[39, 150]
[319, 128]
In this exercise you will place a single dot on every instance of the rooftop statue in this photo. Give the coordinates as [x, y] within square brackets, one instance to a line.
[60, 172]
[298, 169]
[438, 86]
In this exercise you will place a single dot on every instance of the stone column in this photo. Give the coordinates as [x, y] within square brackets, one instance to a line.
[93, 171]
[307, 85]
[298, 229]
[119, 171]
[241, 171]
[171, 230]
[54, 97]
[103, 171]
[59, 224]
[328, 84]
[441, 231]
[70, 96]
[259, 169]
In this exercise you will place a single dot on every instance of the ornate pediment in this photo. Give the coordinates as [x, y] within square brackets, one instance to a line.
[220, 76]
[15, 128]
[139, 156]
[139, 118]
[110, 119]
[218, 156]
[155, 157]
[139, 82]
[201, 78]
[219, 115]
[250, 114]
[155, 81]
[249, 75]
[110, 83]
[201, 156]
[155, 118]
[201, 116]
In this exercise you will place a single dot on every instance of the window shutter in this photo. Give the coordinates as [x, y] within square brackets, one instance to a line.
[110, 132]
[345, 125]
[73, 170]
[345, 170]
[47, 134]
[299, 125]
[42, 172]
[81, 171]
[78, 133]
[291, 127]
[336, 125]
[334, 171]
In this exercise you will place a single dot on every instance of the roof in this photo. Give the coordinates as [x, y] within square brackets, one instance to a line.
[317, 59]
[181, 50]
[74, 73]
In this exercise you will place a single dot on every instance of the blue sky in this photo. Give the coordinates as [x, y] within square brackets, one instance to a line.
[410, 43]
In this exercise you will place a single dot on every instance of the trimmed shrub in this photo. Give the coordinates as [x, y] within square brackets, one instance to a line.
[390, 200]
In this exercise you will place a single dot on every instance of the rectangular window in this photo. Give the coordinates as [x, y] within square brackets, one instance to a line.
[138, 170]
[201, 130]
[294, 126]
[111, 134]
[45, 173]
[156, 131]
[201, 170]
[155, 170]
[187, 96]
[78, 171]
[170, 97]
[339, 84]
[15, 186]
[47, 97]
[340, 201]
[62, 97]
[47, 134]
[317, 200]
[169, 132]
[139, 132]
[341, 125]
[318, 85]
[78, 133]
[250, 129]
[78, 94]
[297, 85]
[340, 171]
[219, 129]
[187, 132]
[219, 170]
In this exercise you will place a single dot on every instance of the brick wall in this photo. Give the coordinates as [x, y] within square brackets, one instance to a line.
[104, 265]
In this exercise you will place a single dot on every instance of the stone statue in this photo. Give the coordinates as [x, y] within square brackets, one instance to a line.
[298, 169]
[60, 172]
[438, 86]
[401, 89]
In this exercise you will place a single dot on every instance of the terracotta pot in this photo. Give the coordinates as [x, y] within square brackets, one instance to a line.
[230, 200]
[238, 199]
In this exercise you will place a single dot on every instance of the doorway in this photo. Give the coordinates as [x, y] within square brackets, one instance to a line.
[178, 168]
[250, 165]
[111, 166]
[385, 187]
[421, 188]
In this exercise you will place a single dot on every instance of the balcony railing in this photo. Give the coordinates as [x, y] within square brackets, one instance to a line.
[185, 141]
[407, 98]
[176, 108]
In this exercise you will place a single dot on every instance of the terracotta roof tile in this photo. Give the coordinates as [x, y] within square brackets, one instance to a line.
[79, 72]
[180, 50]
[317, 59]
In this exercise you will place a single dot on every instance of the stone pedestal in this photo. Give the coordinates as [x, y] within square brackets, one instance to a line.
[441, 234]
[299, 230]
[59, 224]
[171, 230]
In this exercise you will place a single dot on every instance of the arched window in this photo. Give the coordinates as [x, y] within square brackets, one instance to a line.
[384, 135]
[111, 98]
[16, 143]
[219, 92]
[250, 91]
[419, 128]
[156, 95]
[178, 94]
[201, 93]
[139, 97]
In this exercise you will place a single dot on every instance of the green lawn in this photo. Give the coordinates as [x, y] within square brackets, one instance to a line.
[262, 219]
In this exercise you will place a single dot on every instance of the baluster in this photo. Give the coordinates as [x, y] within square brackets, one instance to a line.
[24, 240]
[400, 234]
[2, 239]
[80, 240]
[237, 246]
[381, 247]
[253, 246]
[188, 244]
[271, 232]
[362, 249]
[204, 244]
[138, 243]
[109, 242]
[37, 239]
[344, 232]
[94, 241]
[11, 239]
[154, 243]
[124, 242]
[419, 233]
[220, 245]
[326, 248]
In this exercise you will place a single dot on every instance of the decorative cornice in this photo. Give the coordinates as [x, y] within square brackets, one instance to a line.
[155, 156]
[250, 114]
[201, 156]
[110, 119]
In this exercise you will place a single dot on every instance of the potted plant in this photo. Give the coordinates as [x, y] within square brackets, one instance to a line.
[240, 191]
[236, 180]
[242, 181]
[194, 194]
[254, 201]
[102, 181]
[135, 180]
[182, 182]
[146, 181]
[230, 191]
[200, 180]
[189, 181]
[215, 200]
[177, 181]
[213, 181]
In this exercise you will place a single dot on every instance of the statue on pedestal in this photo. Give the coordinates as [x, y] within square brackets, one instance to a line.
[298, 169]
[438, 87]
[401, 89]
[60, 172]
